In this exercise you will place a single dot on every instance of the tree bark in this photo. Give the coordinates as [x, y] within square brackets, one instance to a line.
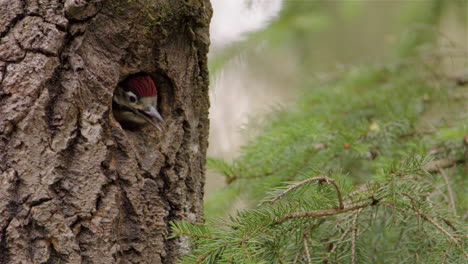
[75, 187]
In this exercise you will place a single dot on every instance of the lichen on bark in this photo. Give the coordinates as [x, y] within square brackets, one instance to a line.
[75, 186]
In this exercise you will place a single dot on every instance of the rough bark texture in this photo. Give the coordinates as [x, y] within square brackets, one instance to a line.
[75, 187]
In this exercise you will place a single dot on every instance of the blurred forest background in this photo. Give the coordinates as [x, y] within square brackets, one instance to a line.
[339, 133]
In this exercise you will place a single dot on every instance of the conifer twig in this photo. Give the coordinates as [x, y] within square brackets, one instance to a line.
[449, 191]
[180, 233]
[418, 133]
[319, 179]
[450, 224]
[323, 212]
[446, 221]
[354, 236]
[306, 248]
[231, 178]
[334, 247]
[201, 258]
[437, 165]
[430, 220]
[434, 223]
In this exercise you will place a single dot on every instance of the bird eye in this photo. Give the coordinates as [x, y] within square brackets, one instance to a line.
[131, 97]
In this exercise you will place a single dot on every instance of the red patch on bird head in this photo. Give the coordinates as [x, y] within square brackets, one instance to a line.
[143, 85]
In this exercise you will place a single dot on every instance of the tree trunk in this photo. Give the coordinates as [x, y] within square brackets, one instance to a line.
[76, 187]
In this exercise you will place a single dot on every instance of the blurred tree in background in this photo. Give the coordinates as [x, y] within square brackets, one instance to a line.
[370, 164]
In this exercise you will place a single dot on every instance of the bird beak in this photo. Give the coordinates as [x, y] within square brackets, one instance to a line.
[153, 117]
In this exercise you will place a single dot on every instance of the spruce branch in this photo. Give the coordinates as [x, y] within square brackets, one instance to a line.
[354, 236]
[320, 179]
[419, 133]
[449, 223]
[435, 224]
[201, 258]
[437, 165]
[449, 192]
[430, 220]
[296, 259]
[324, 212]
[231, 178]
[306, 247]
[181, 233]
[335, 245]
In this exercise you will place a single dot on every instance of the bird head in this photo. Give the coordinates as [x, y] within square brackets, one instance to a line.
[135, 102]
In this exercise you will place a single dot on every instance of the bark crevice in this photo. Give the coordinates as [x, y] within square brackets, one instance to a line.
[11, 17]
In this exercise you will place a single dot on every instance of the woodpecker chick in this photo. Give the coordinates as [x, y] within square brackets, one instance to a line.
[135, 102]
